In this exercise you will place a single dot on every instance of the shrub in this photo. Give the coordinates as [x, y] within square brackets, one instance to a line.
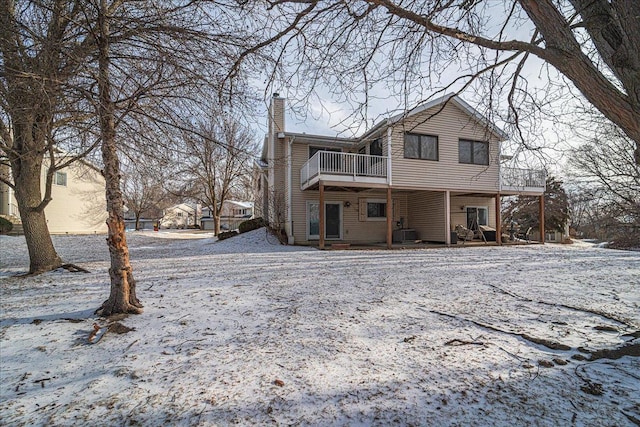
[5, 225]
[226, 234]
[251, 224]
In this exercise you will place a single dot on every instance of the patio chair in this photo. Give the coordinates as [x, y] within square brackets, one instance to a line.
[464, 233]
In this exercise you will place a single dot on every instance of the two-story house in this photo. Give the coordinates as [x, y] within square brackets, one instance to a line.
[232, 213]
[413, 176]
[78, 203]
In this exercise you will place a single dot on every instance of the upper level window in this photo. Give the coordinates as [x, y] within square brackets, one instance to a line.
[375, 149]
[314, 150]
[473, 152]
[60, 178]
[420, 146]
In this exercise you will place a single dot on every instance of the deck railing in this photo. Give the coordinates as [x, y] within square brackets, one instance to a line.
[513, 178]
[346, 164]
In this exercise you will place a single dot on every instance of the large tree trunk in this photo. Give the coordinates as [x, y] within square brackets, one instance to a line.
[614, 32]
[216, 223]
[122, 298]
[42, 254]
[26, 177]
[27, 100]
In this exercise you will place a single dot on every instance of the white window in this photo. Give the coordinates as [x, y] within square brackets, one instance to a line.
[313, 150]
[332, 220]
[477, 215]
[60, 179]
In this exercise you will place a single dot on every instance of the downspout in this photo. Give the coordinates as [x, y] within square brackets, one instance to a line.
[498, 161]
[9, 202]
[290, 238]
[389, 133]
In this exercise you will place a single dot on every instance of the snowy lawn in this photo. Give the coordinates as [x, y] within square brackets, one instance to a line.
[248, 332]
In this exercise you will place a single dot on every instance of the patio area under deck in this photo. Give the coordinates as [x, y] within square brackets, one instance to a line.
[422, 245]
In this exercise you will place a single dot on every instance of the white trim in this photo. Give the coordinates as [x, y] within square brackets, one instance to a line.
[55, 178]
[10, 200]
[466, 212]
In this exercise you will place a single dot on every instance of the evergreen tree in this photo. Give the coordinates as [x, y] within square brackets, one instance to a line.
[524, 210]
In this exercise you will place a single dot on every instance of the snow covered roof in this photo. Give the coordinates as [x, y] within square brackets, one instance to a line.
[245, 205]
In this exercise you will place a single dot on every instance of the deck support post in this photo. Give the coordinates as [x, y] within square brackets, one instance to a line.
[541, 214]
[321, 212]
[389, 218]
[498, 220]
[447, 217]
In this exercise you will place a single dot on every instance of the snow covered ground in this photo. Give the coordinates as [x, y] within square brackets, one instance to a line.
[248, 332]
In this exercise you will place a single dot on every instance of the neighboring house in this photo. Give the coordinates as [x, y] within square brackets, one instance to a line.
[231, 215]
[182, 215]
[143, 222]
[553, 236]
[78, 204]
[414, 176]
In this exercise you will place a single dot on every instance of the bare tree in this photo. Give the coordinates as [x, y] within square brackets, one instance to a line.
[217, 161]
[143, 191]
[410, 47]
[609, 179]
[43, 51]
[158, 53]
[153, 58]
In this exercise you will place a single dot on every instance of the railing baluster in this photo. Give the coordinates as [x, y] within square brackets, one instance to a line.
[338, 163]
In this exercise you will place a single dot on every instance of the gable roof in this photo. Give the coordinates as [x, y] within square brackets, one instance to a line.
[245, 205]
[448, 98]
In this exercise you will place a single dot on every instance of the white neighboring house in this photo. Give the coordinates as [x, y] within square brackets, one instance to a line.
[78, 204]
[231, 215]
[182, 215]
[144, 223]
